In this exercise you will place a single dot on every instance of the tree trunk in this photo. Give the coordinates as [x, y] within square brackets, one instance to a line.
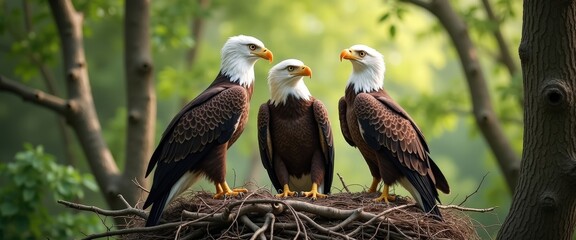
[543, 206]
[141, 97]
[486, 119]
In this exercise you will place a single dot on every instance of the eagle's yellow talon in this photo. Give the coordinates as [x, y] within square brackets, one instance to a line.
[285, 192]
[223, 190]
[313, 193]
[386, 197]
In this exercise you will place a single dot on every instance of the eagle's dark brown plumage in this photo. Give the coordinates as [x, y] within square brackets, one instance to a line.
[392, 145]
[196, 141]
[294, 134]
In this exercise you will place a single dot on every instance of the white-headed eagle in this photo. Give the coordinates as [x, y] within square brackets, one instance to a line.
[294, 134]
[196, 141]
[389, 140]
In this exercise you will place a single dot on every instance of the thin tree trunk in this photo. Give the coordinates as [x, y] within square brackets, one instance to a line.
[80, 111]
[141, 97]
[544, 204]
[486, 119]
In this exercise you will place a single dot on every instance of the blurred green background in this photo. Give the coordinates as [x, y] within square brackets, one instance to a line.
[423, 74]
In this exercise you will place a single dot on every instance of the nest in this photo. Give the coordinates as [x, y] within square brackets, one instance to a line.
[259, 215]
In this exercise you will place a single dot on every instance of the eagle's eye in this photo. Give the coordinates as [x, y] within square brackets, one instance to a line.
[290, 68]
[362, 53]
[252, 47]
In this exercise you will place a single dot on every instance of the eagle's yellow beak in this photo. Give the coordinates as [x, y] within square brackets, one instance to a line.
[264, 53]
[348, 54]
[303, 71]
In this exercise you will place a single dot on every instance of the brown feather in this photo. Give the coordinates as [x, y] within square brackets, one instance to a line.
[299, 136]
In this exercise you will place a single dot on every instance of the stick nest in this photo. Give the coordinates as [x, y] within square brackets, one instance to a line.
[259, 215]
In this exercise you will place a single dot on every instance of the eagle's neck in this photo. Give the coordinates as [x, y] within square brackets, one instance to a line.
[280, 90]
[239, 69]
[366, 78]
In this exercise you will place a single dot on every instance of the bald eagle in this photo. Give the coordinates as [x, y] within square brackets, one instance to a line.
[196, 141]
[389, 140]
[294, 134]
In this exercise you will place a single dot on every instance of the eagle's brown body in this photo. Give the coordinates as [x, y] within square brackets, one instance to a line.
[295, 143]
[196, 141]
[391, 143]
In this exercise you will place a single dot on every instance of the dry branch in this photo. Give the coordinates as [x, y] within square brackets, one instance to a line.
[261, 216]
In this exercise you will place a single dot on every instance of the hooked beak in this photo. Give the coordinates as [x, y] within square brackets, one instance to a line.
[264, 53]
[348, 54]
[303, 71]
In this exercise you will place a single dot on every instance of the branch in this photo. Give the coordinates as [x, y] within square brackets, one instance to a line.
[420, 3]
[35, 96]
[467, 209]
[270, 219]
[505, 57]
[484, 114]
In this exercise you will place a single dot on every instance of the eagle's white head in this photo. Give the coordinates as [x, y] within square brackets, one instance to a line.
[367, 68]
[287, 78]
[239, 55]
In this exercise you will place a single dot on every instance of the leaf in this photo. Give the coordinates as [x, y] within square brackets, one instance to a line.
[89, 182]
[384, 17]
[8, 209]
[392, 31]
[28, 195]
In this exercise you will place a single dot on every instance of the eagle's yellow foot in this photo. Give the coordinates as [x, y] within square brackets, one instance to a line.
[386, 197]
[285, 192]
[223, 190]
[314, 194]
[374, 185]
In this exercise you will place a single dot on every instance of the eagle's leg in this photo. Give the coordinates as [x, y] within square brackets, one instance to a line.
[314, 194]
[227, 192]
[374, 186]
[386, 197]
[218, 188]
[286, 192]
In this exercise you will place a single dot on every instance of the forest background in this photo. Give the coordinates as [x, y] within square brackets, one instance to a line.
[424, 74]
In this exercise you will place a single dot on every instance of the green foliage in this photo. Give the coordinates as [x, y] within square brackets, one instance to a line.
[29, 182]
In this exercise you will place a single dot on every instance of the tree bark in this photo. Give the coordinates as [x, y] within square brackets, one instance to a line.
[486, 118]
[544, 204]
[80, 110]
[141, 96]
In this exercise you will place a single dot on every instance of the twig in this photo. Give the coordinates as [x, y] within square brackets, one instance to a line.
[269, 218]
[320, 228]
[466, 209]
[124, 201]
[135, 181]
[252, 226]
[348, 220]
[111, 213]
[343, 184]
[475, 191]
[380, 215]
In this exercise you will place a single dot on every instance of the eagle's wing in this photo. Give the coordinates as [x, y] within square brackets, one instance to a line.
[326, 142]
[388, 129]
[265, 144]
[207, 121]
[343, 122]
[436, 175]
